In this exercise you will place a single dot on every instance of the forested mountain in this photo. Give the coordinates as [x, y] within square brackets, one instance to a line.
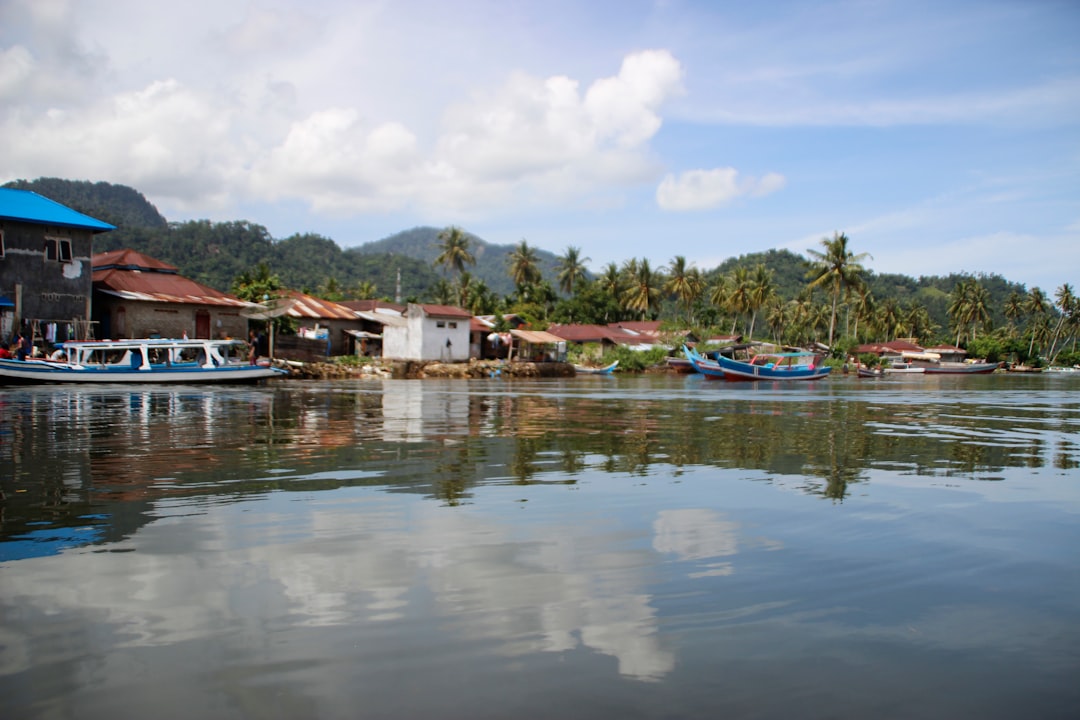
[492, 261]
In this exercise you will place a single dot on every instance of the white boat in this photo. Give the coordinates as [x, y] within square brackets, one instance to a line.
[148, 360]
[899, 367]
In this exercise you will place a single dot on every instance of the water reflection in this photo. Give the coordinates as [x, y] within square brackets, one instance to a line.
[82, 454]
[331, 538]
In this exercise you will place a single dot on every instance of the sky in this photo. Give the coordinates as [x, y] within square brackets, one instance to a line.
[939, 137]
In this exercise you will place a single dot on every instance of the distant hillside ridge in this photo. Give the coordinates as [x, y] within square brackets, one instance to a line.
[492, 261]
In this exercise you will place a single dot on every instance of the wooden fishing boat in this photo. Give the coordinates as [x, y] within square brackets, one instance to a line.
[587, 370]
[867, 372]
[783, 366]
[147, 360]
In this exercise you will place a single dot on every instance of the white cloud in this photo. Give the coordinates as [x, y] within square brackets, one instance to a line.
[707, 189]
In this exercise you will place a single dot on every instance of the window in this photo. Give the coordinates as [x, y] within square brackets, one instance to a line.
[453, 325]
[440, 323]
[1, 244]
[58, 249]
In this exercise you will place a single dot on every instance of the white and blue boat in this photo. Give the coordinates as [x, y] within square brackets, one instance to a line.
[149, 360]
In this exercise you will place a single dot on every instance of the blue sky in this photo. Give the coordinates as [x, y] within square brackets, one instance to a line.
[940, 136]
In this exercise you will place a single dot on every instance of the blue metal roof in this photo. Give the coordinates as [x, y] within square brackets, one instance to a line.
[30, 207]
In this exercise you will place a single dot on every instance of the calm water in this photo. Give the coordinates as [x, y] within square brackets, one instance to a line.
[640, 547]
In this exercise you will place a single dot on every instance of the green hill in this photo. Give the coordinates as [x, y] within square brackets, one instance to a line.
[492, 261]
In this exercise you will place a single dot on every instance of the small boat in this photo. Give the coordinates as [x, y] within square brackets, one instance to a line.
[961, 368]
[147, 360]
[606, 370]
[899, 367]
[763, 366]
[867, 372]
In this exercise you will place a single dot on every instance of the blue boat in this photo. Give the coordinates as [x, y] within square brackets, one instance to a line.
[763, 366]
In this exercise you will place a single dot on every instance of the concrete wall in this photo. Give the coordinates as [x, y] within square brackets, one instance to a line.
[118, 319]
[45, 289]
[425, 338]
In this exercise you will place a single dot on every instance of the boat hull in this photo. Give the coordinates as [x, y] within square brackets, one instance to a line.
[37, 371]
[961, 369]
[607, 370]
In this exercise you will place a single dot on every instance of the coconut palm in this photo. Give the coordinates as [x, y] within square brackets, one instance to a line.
[571, 269]
[836, 268]
[524, 266]
[968, 304]
[1013, 308]
[644, 292]
[739, 298]
[864, 306]
[1036, 306]
[454, 250]
[1066, 303]
[761, 289]
[685, 283]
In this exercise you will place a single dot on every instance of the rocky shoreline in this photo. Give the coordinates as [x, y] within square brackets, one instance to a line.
[421, 369]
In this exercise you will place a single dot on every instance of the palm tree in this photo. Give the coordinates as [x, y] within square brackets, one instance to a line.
[571, 269]
[1036, 306]
[524, 266]
[837, 268]
[365, 290]
[864, 306]
[1067, 308]
[644, 292]
[890, 318]
[719, 293]
[761, 289]
[685, 283]
[1014, 307]
[777, 317]
[454, 247]
[739, 300]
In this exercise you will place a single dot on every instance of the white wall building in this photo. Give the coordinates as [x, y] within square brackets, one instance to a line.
[430, 332]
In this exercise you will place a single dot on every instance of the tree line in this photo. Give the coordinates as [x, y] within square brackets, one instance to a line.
[836, 304]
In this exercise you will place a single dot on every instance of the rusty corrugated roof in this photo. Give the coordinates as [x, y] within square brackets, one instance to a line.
[313, 308]
[133, 276]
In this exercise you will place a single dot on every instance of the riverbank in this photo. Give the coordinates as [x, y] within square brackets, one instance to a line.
[381, 369]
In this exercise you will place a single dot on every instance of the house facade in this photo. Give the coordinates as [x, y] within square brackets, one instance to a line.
[430, 332]
[45, 267]
[138, 296]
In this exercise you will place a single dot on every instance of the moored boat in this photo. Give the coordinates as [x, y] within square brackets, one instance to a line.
[961, 368]
[587, 370]
[762, 366]
[148, 360]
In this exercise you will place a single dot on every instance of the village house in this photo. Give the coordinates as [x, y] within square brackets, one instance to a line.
[373, 316]
[45, 268]
[429, 332]
[330, 325]
[138, 296]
